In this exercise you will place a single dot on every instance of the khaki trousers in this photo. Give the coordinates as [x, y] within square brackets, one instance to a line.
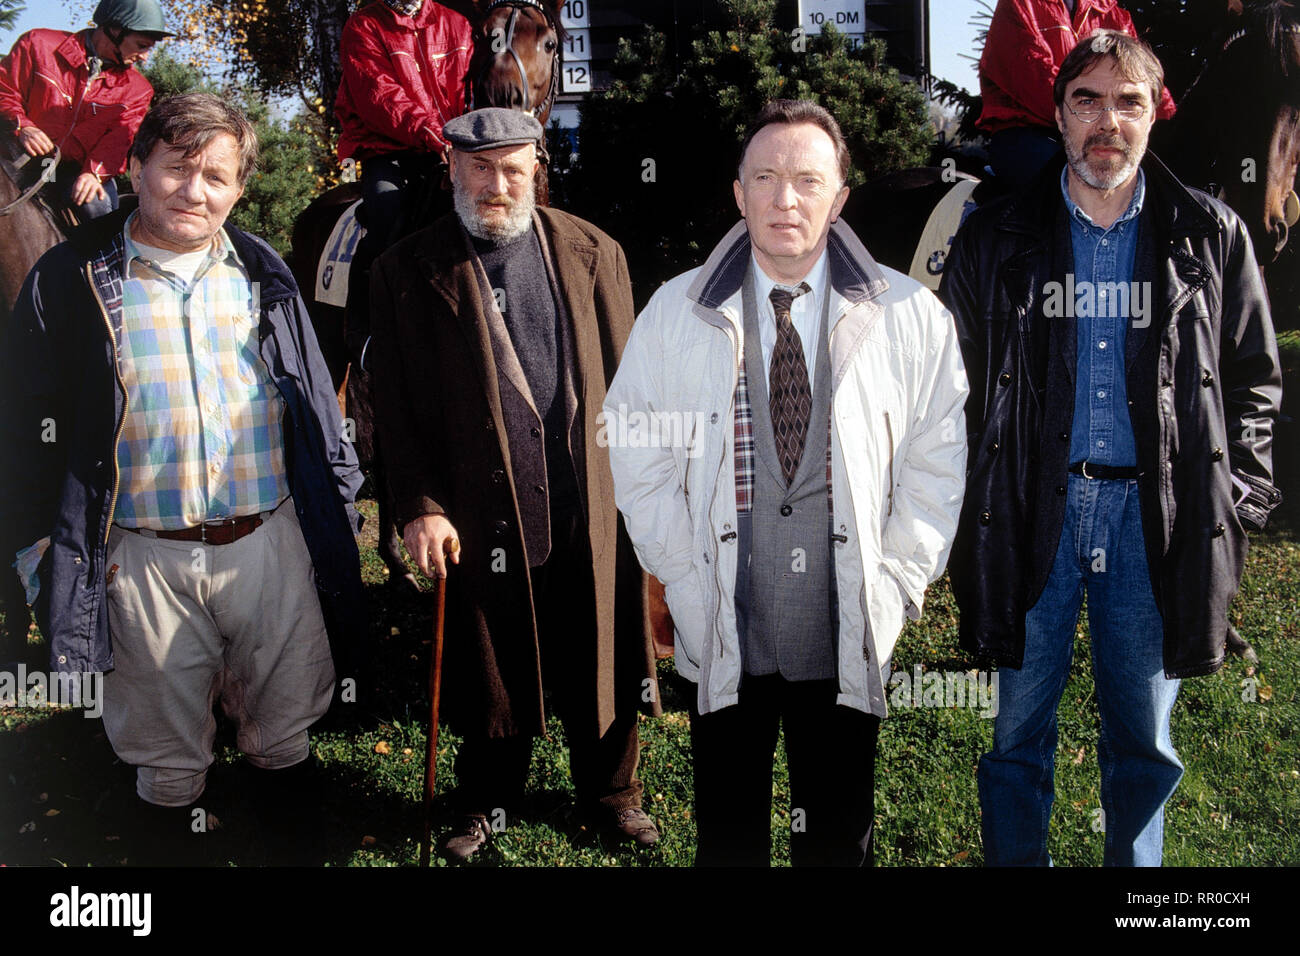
[192, 623]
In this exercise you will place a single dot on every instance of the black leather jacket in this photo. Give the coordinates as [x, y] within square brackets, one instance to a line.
[1204, 385]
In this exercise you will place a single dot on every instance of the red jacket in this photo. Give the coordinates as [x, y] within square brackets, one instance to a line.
[403, 78]
[41, 81]
[1027, 41]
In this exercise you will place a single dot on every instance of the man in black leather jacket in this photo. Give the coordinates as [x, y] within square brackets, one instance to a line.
[1124, 384]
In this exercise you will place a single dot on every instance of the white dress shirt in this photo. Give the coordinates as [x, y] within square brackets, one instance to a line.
[805, 313]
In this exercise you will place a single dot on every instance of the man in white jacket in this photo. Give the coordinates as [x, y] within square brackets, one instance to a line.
[788, 445]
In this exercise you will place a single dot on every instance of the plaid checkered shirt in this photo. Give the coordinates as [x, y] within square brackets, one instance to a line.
[744, 455]
[202, 439]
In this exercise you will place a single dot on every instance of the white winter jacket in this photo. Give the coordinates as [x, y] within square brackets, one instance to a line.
[898, 452]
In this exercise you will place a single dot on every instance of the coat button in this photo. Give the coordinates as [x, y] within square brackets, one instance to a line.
[536, 433]
[1216, 455]
[1005, 378]
[985, 517]
[786, 511]
[498, 477]
[490, 425]
[1064, 436]
[1060, 491]
[994, 448]
[539, 489]
[713, 419]
[1207, 380]
[1218, 530]
[500, 527]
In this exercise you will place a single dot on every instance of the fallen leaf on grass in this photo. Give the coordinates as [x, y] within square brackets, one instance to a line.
[368, 840]
[51, 812]
[1078, 757]
[1266, 692]
[961, 856]
[383, 748]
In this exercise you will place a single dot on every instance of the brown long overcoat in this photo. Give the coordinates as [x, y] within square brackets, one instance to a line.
[440, 421]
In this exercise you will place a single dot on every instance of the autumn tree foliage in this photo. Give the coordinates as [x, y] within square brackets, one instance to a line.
[278, 47]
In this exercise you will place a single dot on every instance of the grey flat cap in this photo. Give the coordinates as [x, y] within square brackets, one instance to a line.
[492, 128]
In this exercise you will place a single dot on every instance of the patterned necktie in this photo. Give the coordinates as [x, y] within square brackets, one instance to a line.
[790, 400]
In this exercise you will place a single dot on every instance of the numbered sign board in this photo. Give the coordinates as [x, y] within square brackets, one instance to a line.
[847, 16]
[575, 16]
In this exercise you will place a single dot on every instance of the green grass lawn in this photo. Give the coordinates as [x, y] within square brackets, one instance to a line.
[63, 795]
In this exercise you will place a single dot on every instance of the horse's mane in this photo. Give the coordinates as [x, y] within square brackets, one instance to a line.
[1273, 24]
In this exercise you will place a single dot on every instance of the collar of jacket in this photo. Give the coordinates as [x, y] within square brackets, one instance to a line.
[102, 239]
[1176, 212]
[72, 51]
[853, 275]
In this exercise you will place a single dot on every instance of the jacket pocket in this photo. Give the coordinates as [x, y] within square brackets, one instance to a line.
[686, 604]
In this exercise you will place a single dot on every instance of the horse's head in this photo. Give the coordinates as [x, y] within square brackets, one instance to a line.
[516, 62]
[1254, 120]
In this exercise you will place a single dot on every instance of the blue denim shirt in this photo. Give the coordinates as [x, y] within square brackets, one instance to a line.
[1102, 432]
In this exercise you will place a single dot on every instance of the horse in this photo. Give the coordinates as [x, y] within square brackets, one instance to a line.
[515, 64]
[27, 230]
[1236, 134]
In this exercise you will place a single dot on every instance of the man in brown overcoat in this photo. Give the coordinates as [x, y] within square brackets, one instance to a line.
[496, 331]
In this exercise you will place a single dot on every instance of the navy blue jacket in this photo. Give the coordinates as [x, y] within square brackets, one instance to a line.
[63, 408]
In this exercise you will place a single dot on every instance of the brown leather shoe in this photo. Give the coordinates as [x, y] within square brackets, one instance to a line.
[466, 838]
[635, 824]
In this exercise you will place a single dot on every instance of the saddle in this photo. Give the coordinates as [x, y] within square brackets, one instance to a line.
[30, 175]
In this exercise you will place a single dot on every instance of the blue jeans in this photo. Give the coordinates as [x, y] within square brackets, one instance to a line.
[1102, 549]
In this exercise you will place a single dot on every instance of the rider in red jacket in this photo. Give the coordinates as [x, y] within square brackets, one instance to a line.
[80, 92]
[404, 65]
[1026, 43]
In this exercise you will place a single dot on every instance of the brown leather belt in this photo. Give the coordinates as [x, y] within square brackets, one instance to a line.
[226, 531]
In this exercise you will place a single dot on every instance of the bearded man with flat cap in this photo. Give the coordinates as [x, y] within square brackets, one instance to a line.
[495, 334]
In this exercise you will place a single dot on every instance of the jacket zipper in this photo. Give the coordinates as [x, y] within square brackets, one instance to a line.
[889, 436]
[708, 516]
[126, 401]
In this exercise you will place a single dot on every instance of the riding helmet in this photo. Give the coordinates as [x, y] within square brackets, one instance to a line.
[135, 16]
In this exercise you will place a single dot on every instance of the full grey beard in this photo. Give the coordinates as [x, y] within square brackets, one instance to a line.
[1095, 179]
[518, 220]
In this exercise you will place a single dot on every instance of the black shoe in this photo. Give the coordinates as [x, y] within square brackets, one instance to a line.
[469, 835]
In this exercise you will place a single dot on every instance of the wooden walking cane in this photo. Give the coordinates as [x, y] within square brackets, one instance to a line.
[450, 547]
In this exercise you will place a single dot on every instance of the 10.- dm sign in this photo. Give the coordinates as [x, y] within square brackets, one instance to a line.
[847, 16]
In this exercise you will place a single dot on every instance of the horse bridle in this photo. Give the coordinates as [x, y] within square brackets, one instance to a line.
[515, 7]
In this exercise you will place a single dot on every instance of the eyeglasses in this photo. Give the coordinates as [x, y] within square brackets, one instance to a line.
[1129, 114]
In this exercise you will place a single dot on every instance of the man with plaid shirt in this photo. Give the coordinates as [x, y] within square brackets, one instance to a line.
[179, 467]
[815, 498]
